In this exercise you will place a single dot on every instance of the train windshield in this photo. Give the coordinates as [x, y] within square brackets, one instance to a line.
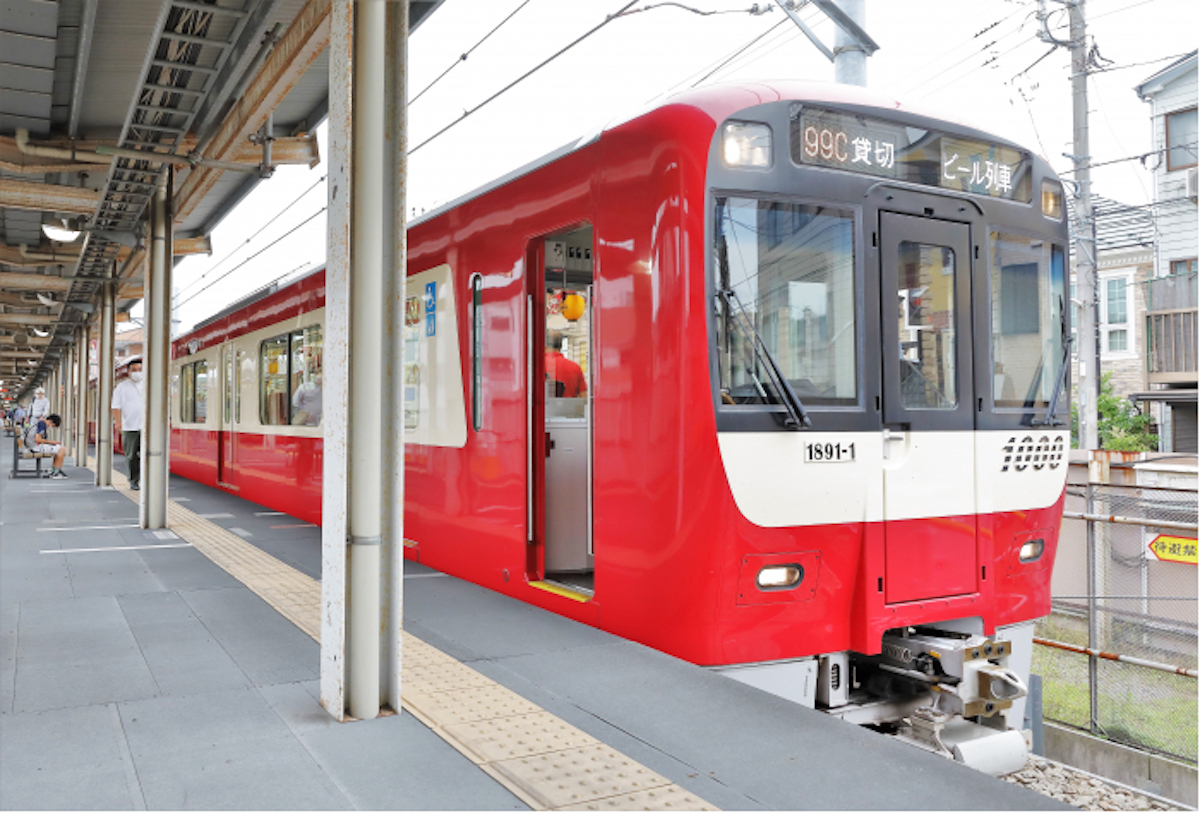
[791, 267]
[1029, 321]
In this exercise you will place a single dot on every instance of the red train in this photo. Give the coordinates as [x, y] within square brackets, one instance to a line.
[769, 378]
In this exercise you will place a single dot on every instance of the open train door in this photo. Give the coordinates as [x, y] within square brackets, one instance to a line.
[928, 417]
[560, 343]
[227, 440]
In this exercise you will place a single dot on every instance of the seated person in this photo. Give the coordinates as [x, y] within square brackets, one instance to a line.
[37, 441]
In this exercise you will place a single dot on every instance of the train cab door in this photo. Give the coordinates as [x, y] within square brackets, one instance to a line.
[561, 344]
[227, 441]
[928, 416]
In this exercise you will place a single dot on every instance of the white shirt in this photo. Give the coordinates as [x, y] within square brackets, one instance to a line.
[130, 398]
[40, 408]
[308, 399]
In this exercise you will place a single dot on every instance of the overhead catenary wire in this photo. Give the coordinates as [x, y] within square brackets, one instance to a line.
[273, 243]
[467, 53]
[526, 75]
[249, 239]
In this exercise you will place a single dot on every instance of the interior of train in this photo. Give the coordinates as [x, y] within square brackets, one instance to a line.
[567, 339]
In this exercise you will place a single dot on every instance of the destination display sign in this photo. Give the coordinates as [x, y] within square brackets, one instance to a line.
[885, 149]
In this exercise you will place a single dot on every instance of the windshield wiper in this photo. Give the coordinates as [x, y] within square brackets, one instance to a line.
[1049, 419]
[797, 416]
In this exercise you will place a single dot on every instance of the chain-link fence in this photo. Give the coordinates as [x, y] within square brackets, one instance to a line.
[1124, 586]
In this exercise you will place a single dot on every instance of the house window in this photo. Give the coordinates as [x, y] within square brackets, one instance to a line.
[1115, 321]
[1115, 295]
[1181, 139]
[1183, 266]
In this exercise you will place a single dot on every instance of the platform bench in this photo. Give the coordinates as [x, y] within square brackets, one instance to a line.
[20, 453]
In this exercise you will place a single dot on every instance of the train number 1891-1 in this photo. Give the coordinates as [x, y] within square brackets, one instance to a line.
[828, 452]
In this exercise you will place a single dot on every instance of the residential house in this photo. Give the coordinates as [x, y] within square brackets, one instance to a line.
[1124, 267]
[1172, 292]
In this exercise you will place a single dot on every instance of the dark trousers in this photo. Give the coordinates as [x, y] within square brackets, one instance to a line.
[132, 441]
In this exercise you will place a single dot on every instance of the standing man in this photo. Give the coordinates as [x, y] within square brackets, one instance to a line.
[129, 410]
[40, 407]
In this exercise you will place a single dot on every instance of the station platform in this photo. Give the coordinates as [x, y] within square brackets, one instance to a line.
[179, 669]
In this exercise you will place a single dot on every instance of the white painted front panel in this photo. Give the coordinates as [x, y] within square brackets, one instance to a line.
[928, 474]
[774, 487]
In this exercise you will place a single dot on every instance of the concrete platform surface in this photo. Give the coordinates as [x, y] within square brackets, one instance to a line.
[137, 674]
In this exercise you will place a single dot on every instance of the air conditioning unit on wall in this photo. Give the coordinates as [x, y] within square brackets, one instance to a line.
[1192, 184]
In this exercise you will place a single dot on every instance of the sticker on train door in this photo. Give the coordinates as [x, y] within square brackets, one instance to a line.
[431, 309]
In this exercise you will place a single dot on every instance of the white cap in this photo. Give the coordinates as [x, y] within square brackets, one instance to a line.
[41, 390]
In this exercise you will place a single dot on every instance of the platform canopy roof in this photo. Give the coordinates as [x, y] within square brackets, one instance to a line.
[202, 81]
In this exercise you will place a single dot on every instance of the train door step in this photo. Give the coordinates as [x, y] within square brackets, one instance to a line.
[571, 591]
[228, 486]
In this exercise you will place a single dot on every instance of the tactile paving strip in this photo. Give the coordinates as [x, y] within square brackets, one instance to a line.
[579, 775]
[441, 677]
[670, 797]
[467, 705]
[543, 760]
[520, 736]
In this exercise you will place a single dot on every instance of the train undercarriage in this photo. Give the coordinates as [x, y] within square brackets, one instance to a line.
[954, 692]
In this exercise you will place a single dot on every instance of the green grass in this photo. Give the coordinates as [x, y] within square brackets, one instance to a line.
[1137, 706]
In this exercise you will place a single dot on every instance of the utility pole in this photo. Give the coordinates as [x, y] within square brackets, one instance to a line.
[849, 57]
[1087, 289]
[852, 44]
[1085, 240]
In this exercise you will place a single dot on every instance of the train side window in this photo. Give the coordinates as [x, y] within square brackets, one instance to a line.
[227, 355]
[273, 382]
[477, 352]
[200, 390]
[305, 376]
[187, 403]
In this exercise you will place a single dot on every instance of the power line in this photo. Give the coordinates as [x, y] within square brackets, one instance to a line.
[965, 74]
[261, 229]
[468, 52]
[1137, 64]
[738, 52]
[1119, 10]
[709, 67]
[274, 242]
[525, 76]
[1189, 145]
[935, 65]
[768, 48]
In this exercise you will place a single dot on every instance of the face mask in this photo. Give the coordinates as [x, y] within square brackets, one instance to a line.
[136, 376]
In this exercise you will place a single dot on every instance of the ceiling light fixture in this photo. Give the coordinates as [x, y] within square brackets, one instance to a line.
[45, 300]
[60, 234]
[42, 333]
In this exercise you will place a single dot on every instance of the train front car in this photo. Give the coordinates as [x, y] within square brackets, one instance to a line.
[887, 342]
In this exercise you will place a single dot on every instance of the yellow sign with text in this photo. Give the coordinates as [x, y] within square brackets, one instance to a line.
[1174, 549]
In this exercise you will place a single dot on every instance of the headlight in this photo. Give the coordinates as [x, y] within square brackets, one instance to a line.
[779, 577]
[1052, 201]
[1031, 551]
[747, 145]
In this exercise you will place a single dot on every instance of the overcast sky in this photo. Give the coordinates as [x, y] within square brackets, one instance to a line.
[973, 59]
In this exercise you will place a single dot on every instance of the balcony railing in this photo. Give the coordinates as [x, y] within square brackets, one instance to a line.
[1171, 330]
[1173, 293]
